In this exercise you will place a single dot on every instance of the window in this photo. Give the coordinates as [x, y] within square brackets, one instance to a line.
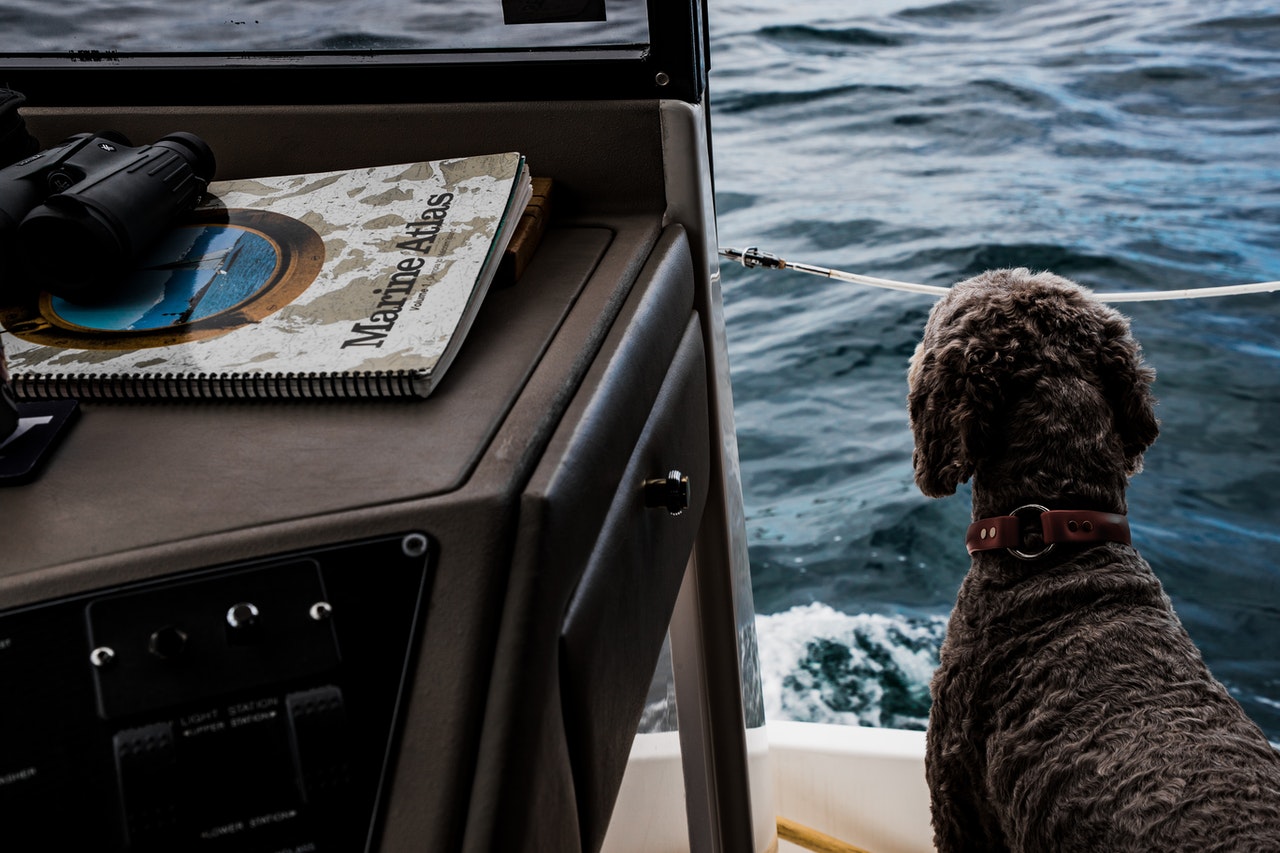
[371, 51]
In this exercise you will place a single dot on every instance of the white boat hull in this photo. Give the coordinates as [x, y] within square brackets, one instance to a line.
[865, 786]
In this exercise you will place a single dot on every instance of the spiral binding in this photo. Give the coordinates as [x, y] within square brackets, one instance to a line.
[373, 384]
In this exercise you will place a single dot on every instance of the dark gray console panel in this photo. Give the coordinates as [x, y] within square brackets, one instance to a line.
[537, 612]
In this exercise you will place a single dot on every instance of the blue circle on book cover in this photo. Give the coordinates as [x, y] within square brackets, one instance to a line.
[219, 270]
[192, 273]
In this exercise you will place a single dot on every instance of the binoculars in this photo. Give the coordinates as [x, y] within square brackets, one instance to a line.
[75, 217]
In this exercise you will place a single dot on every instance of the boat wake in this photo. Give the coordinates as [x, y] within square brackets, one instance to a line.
[823, 666]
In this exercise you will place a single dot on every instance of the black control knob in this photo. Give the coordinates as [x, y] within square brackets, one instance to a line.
[167, 643]
[671, 492]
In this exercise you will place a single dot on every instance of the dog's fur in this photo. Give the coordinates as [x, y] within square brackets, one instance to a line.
[1071, 711]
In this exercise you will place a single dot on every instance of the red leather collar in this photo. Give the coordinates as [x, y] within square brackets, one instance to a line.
[1068, 526]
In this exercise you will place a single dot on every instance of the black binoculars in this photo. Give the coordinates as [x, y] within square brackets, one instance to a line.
[74, 217]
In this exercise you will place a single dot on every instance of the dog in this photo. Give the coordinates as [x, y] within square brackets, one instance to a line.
[1071, 711]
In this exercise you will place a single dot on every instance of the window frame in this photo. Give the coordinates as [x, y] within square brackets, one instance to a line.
[673, 65]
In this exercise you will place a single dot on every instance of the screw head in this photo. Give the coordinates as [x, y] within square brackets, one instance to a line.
[414, 545]
[320, 611]
[102, 657]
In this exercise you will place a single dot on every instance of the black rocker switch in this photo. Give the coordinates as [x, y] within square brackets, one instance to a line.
[318, 736]
[147, 773]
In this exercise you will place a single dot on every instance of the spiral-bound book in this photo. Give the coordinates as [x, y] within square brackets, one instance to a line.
[355, 283]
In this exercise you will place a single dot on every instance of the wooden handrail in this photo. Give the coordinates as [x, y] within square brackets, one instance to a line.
[812, 839]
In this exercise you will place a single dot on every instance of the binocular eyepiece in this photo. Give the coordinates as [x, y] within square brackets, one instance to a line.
[73, 218]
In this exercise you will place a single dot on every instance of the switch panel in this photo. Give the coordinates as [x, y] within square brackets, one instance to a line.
[173, 644]
[247, 708]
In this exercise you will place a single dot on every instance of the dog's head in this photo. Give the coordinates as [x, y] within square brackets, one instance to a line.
[995, 339]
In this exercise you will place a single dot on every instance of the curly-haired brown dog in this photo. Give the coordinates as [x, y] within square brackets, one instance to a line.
[1071, 711]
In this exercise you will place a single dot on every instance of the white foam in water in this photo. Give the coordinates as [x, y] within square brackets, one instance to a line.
[823, 666]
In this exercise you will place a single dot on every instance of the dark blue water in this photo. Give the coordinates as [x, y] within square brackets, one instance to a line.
[1125, 145]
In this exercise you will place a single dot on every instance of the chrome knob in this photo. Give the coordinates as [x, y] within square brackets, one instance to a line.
[242, 616]
[244, 624]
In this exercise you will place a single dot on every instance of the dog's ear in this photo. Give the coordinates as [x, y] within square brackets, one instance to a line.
[955, 393]
[1126, 382]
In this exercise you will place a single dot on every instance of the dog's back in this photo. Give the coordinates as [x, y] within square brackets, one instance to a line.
[1073, 712]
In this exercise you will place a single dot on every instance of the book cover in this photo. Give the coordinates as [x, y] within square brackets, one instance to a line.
[353, 283]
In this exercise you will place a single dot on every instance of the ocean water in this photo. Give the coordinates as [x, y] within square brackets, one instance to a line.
[1129, 146]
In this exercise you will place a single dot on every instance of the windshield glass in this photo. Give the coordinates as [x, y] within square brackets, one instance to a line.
[124, 27]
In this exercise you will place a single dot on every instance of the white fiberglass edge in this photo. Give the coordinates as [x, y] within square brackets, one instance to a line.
[864, 786]
[649, 815]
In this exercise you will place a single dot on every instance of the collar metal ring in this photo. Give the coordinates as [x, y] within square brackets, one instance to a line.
[1023, 555]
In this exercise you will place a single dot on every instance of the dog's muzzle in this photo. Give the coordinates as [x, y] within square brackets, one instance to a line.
[1066, 526]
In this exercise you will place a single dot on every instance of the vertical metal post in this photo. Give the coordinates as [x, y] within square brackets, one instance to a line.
[713, 746]
[705, 628]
